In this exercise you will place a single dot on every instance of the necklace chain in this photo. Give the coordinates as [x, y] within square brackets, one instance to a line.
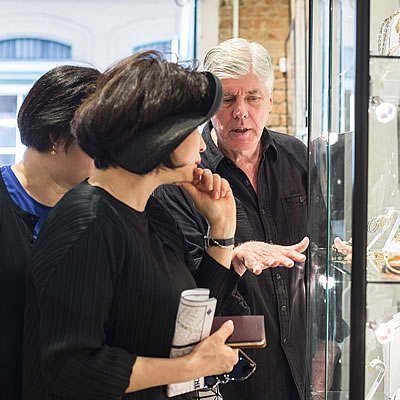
[383, 30]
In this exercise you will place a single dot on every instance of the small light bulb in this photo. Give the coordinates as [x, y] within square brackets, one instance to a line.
[385, 112]
[384, 333]
[326, 283]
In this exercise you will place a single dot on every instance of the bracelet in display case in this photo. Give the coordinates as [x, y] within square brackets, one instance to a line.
[389, 35]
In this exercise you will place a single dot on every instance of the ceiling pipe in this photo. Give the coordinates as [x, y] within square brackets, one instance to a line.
[235, 28]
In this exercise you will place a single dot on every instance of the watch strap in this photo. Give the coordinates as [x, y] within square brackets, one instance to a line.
[210, 242]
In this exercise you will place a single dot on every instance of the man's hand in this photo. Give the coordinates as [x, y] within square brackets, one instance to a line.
[344, 248]
[257, 256]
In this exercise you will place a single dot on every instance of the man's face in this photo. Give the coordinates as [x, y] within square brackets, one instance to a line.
[245, 110]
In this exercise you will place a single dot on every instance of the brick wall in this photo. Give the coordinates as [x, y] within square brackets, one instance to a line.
[266, 22]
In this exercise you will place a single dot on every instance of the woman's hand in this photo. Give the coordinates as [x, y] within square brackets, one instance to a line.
[214, 199]
[212, 356]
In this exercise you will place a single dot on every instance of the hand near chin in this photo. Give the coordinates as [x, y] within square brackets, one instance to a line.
[214, 199]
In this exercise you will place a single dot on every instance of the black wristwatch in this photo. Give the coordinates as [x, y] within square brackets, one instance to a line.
[209, 242]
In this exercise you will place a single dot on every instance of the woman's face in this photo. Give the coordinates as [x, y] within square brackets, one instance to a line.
[188, 155]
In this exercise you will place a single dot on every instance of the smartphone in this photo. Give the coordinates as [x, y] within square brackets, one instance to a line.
[249, 331]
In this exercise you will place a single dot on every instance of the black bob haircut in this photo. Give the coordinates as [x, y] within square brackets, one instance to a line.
[132, 97]
[47, 111]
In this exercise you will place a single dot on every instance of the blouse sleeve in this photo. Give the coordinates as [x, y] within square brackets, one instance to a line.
[222, 283]
[190, 226]
[74, 283]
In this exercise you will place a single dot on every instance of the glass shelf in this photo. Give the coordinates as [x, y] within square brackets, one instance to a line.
[378, 56]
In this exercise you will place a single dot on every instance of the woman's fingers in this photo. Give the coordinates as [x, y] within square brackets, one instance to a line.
[212, 183]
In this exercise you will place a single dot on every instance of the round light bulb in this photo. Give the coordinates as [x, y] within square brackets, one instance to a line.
[384, 333]
[326, 283]
[385, 112]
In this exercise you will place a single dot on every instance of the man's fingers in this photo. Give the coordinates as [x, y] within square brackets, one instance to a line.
[257, 269]
[301, 246]
[286, 262]
[280, 261]
[295, 256]
[344, 248]
[275, 260]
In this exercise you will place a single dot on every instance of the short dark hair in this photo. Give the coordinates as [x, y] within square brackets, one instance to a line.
[134, 94]
[47, 111]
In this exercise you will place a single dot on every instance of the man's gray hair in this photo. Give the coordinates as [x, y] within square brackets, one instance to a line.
[235, 58]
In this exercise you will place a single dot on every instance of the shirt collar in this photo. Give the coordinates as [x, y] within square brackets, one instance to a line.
[213, 155]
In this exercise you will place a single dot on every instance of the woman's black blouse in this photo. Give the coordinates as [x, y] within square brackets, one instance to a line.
[103, 287]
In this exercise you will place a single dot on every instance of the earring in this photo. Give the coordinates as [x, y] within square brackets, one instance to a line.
[53, 150]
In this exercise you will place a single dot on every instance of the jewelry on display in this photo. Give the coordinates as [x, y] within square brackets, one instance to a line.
[378, 223]
[381, 368]
[339, 256]
[385, 260]
[387, 265]
[393, 264]
[389, 30]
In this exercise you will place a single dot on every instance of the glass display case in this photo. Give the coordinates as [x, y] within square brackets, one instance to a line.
[354, 200]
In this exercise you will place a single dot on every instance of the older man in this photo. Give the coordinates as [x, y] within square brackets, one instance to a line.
[268, 174]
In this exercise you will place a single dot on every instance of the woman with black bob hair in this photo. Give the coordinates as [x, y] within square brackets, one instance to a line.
[110, 263]
[52, 164]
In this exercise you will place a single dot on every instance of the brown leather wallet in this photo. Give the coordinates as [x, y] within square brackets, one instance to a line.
[249, 330]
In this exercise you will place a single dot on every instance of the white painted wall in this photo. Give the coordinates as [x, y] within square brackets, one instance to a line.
[100, 32]
[208, 27]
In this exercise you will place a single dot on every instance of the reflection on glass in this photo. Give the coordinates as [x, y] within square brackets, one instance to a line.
[331, 208]
[332, 121]
[7, 159]
[8, 110]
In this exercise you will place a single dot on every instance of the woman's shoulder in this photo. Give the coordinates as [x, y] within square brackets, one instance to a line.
[85, 201]
[81, 208]
[164, 224]
[159, 215]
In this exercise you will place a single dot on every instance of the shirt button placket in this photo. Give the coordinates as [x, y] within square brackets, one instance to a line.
[283, 308]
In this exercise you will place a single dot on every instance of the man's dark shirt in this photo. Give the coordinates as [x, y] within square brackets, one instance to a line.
[276, 214]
